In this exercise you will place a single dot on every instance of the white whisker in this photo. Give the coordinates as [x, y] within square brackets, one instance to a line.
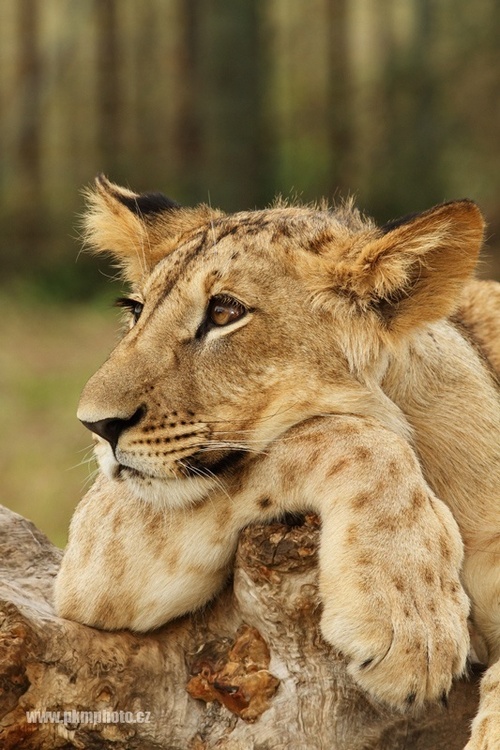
[207, 474]
[90, 479]
[212, 445]
[86, 460]
[242, 433]
[257, 419]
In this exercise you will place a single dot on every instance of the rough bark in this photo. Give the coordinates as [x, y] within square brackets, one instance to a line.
[256, 654]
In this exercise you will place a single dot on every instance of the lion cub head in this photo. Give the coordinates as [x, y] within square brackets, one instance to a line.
[243, 325]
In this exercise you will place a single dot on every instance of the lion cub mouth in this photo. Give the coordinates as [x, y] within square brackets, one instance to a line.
[201, 464]
[122, 470]
[212, 463]
[145, 469]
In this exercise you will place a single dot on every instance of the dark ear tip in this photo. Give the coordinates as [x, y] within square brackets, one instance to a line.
[147, 204]
[389, 226]
[142, 205]
[471, 206]
[462, 204]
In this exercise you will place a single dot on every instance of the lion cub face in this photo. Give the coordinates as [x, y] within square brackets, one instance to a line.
[243, 325]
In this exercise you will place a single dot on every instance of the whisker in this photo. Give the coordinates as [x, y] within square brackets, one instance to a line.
[240, 433]
[207, 474]
[212, 445]
[281, 438]
[90, 479]
[86, 460]
[257, 419]
[88, 447]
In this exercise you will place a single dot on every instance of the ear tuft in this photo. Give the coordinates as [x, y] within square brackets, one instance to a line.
[118, 221]
[138, 230]
[109, 226]
[413, 272]
[141, 204]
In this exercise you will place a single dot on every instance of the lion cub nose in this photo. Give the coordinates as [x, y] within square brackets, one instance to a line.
[111, 429]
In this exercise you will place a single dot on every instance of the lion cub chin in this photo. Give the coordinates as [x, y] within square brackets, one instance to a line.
[166, 493]
[301, 358]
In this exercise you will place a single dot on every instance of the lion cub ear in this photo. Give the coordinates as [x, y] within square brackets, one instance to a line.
[121, 223]
[414, 271]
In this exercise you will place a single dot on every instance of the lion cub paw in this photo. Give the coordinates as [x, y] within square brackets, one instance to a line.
[408, 655]
[398, 611]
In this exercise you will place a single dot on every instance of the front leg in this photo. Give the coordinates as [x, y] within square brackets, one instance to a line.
[481, 578]
[129, 564]
[392, 598]
[485, 730]
[390, 556]
[389, 559]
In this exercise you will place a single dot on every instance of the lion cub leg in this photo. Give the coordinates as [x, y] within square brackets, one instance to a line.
[485, 730]
[481, 579]
[390, 557]
[390, 554]
[129, 564]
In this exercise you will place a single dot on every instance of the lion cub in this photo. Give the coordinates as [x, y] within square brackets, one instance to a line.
[300, 358]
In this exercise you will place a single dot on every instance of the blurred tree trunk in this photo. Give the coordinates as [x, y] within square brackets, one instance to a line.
[405, 170]
[425, 150]
[28, 176]
[187, 131]
[30, 80]
[230, 101]
[341, 116]
[250, 672]
[109, 126]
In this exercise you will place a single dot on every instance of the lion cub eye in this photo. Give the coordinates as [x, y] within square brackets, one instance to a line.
[133, 305]
[223, 310]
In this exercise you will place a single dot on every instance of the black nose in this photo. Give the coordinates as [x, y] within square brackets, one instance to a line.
[111, 429]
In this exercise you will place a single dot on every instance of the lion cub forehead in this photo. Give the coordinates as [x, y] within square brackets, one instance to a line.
[287, 228]
[304, 227]
[257, 241]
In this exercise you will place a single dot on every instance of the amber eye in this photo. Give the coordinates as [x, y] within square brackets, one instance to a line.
[223, 310]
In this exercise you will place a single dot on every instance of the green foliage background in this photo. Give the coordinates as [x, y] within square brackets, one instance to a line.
[396, 101]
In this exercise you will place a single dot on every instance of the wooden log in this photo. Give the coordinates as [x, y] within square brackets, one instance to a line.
[249, 672]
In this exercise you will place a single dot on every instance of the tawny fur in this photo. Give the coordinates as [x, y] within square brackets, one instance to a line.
[360, 382]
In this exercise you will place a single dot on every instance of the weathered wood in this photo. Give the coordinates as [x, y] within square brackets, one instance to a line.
[256, 652]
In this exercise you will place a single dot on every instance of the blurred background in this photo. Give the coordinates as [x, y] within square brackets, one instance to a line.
[394, 101]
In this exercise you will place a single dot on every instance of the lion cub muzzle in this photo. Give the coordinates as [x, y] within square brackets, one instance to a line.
[111, 428]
